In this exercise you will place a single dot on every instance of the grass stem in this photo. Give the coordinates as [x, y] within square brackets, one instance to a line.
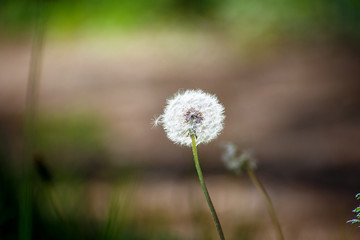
[25, 196]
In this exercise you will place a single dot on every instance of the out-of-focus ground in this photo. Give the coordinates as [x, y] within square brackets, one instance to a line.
[294, 101]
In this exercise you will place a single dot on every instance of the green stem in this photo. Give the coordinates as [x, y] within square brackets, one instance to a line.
[25, 211]
[203, 185]
[267, 200]
[55, 205]
[25, 201]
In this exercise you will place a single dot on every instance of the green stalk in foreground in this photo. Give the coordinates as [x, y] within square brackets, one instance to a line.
[26, 188]
[267, 200]
[203, 185]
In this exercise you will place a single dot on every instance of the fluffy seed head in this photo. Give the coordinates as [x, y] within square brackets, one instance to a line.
[237, 162]
[192, 112]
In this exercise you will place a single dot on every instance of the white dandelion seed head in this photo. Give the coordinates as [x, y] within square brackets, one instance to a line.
[229, 155]
[192, 112]
[237, 162]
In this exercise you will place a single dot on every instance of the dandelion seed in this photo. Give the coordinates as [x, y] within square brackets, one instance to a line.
[156, 121]
[192, 112]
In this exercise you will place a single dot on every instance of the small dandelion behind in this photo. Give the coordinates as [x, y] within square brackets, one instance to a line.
[192, 112]
[237, 163]
[245, 162]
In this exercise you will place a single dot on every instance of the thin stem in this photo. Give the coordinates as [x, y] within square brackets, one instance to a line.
[25, 204]
[203, 185]
[55, 205]
[267, 200]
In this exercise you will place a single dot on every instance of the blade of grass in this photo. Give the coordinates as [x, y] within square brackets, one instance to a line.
[25, 198]
[120, 204]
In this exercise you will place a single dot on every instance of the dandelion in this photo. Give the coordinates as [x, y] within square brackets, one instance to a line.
[192, 112]
[190, 118]
[237, 164]
[245, 162]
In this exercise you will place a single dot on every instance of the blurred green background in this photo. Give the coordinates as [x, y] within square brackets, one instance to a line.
[260, 20]
[287, 73]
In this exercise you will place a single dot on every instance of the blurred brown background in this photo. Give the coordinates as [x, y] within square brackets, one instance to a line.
[286, 72]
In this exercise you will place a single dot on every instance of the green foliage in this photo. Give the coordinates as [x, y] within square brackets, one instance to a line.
[357, 212]
[8, 203]
[71, 130]
[256, 19]
[69, 139]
